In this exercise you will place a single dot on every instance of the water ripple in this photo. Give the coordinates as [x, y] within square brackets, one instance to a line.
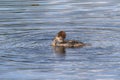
[27, 29]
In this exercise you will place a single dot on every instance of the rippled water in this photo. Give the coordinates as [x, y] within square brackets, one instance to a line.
[28, 27]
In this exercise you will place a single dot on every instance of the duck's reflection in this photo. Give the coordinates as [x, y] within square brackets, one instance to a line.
[59, 51]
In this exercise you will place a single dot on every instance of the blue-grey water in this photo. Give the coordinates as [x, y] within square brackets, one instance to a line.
[27, 28]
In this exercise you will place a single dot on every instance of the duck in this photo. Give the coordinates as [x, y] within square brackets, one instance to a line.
[59, 41]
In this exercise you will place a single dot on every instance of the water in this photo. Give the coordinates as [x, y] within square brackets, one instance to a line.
[28, 27]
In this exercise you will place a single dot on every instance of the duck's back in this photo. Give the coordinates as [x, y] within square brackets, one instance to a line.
[71, 43]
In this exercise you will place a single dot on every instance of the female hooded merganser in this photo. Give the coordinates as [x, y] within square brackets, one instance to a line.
[59, 40]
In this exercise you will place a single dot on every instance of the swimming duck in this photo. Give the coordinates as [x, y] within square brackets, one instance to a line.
[59, 40]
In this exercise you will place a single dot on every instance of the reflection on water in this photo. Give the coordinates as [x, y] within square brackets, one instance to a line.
[60, 51]
[28, 27]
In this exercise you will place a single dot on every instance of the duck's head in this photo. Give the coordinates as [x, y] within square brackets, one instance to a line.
[59, 38]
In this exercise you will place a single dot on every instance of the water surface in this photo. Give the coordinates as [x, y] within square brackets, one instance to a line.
[28, 27]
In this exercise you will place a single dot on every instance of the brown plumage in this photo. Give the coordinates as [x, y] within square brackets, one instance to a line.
[62, 34]
[59, 40]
